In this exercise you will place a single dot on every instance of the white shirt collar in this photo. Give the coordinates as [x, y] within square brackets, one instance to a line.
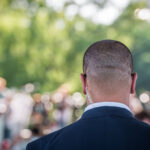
[100, 104]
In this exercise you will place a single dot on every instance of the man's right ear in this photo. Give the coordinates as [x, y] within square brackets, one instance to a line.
[82, 76]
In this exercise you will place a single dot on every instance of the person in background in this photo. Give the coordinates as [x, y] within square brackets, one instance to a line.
[6, 144]
[4, 111]
[143, 116]
[35, 133]
[107, 122]
[39, 113]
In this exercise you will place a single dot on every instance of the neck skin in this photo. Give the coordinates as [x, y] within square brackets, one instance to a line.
[113, 98]
[121, 94]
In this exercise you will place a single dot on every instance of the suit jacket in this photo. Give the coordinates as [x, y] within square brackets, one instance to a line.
[101, 128]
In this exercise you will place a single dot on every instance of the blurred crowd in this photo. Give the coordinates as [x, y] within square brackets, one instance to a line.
[25, 115]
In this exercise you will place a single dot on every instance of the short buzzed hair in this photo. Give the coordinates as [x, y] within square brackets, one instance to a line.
[108, 60]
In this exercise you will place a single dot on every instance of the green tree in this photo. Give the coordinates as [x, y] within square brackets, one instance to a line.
[41, 45]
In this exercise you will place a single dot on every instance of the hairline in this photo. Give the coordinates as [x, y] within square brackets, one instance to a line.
[85, 67]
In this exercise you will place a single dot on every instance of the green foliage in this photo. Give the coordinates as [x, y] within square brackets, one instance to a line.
[41, 45]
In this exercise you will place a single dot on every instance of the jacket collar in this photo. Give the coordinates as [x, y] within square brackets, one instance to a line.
[106, 111]
[100, 104]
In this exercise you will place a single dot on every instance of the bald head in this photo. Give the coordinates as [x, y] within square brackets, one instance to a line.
[108, 66]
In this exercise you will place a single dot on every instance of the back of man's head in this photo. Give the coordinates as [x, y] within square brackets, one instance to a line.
[108, 67]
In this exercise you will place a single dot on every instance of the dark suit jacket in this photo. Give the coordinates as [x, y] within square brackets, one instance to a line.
[102, 128]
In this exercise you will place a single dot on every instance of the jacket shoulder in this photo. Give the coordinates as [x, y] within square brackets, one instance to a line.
[44, 142]
[141, 123]
[39, 143]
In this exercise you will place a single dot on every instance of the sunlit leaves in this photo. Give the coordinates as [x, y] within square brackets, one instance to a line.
[39, 44]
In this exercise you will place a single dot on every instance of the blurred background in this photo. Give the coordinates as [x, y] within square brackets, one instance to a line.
[42, 43]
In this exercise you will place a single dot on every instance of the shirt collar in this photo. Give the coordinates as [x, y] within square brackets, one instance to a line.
[101, 104]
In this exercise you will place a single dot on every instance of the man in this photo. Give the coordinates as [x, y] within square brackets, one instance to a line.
[107, 123]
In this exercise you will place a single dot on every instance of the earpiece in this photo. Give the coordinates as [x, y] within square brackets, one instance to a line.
[88, 95]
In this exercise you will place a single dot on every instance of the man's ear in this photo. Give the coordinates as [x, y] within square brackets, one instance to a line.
[134, 78]
[83, 82]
